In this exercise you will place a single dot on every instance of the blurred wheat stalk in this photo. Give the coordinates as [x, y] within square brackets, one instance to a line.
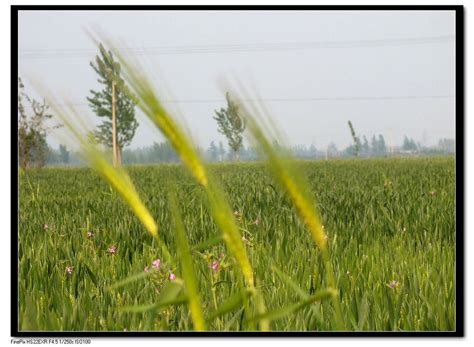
[264, 134]
[280, 165]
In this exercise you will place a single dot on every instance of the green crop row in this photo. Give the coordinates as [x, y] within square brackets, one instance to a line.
[390, 227]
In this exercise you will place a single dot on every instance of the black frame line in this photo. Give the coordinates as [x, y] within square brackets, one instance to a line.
[459, 163]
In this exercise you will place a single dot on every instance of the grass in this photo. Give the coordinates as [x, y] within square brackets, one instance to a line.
[386, 219]
[228, 244]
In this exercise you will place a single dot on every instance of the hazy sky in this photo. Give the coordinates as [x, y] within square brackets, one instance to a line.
[324, 67]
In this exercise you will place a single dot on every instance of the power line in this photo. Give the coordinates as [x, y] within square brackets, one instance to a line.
[426, 39]
[354, 98]
[235, 48]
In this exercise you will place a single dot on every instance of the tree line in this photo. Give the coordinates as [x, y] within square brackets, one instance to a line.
[115, 105]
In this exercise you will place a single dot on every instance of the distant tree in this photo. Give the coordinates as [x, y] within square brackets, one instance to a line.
[349, 151]
[52, 157]
[382, 148]
[231, 125]
[365, 146]
[39, 153]
[355, 138]
[213, 151]
[109, 73]
[32, 130]
[63, 154]
[406, 143]
[374, 145]
[164, 152]
[409, 144]
[446, 145]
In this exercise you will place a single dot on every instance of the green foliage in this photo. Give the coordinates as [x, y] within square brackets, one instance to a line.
[221, 212]
[187, 267]
[365, 147]
[32, 130]
[386, 219]
[446, 145]
[213, 151]
[231, 125]
[286, 174]
[356, 146]
[219, 274]
[108, 69]
[63, 154]
[381, 147]
[159, 152]
[378, 146]
[409, 144]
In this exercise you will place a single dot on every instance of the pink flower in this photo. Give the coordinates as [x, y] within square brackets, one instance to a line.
[90, 233]
[145, 268]
[215, 265]
[172, 276]
[69, 270]
[156, 263]
[112, 249]
[393, 283]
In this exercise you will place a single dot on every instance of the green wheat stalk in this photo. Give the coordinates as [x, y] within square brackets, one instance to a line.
[289, 178]
[140, 85]
[188, 273]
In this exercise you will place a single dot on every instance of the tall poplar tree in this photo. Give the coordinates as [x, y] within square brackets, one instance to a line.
[355, 138]
[108, 70]
[231, 125]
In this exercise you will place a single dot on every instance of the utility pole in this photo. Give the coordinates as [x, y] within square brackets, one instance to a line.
[114, 130]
